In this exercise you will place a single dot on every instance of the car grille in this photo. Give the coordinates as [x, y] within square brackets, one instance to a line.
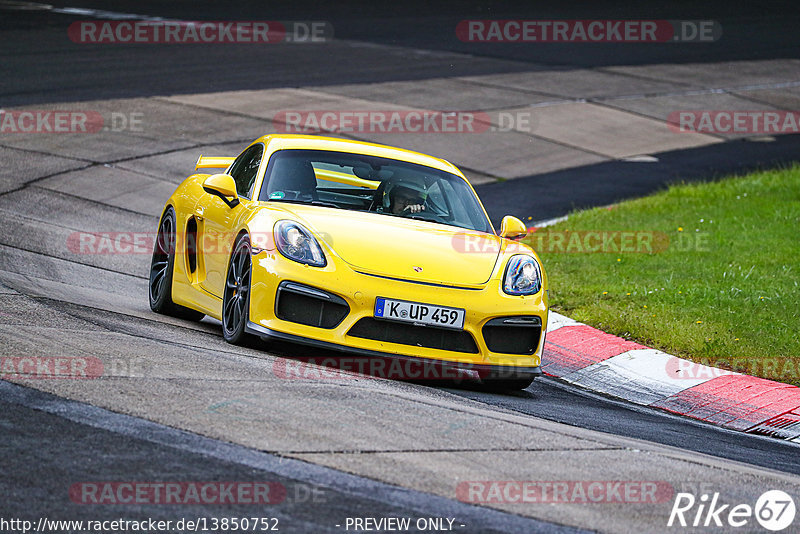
[418, 336]
[513, 335]
[309, 306]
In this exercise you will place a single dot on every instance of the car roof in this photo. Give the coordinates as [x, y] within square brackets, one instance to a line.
[315, 142]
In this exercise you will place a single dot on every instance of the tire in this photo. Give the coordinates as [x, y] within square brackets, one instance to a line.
[236, 298]
[162, 266]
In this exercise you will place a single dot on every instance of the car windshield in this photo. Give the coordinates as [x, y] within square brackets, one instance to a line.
[369, 183]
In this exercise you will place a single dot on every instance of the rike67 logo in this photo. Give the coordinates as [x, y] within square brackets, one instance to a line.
[774, 510]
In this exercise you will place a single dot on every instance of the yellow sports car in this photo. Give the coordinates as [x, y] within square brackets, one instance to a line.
[377, 251]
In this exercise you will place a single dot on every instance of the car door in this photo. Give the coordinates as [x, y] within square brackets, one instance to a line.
[216, 220]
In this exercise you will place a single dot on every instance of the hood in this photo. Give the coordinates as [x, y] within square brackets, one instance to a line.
[403, 248]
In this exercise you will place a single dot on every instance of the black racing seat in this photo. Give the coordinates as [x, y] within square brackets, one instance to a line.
[294, 177]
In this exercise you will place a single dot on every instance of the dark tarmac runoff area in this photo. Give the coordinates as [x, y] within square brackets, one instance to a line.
[181, 426]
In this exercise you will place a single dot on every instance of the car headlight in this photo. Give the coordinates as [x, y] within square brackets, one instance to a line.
[297, 244]
[523, 276]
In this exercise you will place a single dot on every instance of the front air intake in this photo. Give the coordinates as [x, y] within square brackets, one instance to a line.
[513, 335]
[418, 336]
[310, 306]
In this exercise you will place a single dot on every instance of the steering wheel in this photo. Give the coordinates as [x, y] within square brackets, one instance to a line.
[377, 198]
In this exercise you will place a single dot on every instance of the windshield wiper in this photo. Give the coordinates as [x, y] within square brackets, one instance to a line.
[321, 203]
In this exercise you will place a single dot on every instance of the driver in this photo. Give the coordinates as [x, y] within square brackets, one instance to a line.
[406, 197]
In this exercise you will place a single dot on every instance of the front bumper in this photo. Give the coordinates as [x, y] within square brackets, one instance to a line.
[358, 291]
[422, 368]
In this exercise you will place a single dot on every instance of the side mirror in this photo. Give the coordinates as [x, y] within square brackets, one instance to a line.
[223, 186]
[512, 228]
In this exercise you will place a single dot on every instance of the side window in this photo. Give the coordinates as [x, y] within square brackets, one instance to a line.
[245, 169]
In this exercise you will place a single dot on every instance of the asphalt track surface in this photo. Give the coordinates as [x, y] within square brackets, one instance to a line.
[41, 74]
[51, 443]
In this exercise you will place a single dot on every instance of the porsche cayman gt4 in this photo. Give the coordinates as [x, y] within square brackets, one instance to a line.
[363, 248]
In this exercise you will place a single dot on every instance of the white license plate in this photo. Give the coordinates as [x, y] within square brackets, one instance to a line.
[418, 313]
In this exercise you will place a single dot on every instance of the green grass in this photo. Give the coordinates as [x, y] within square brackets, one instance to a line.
[721, 285]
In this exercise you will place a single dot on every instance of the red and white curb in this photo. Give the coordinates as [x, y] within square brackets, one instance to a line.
[607, 364]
